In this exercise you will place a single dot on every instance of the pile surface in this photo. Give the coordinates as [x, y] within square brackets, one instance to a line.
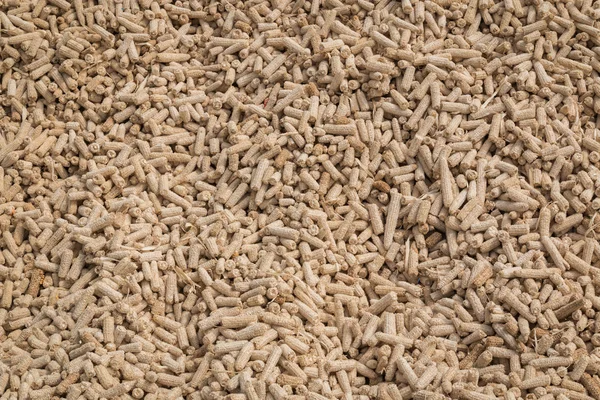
[304, 200]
